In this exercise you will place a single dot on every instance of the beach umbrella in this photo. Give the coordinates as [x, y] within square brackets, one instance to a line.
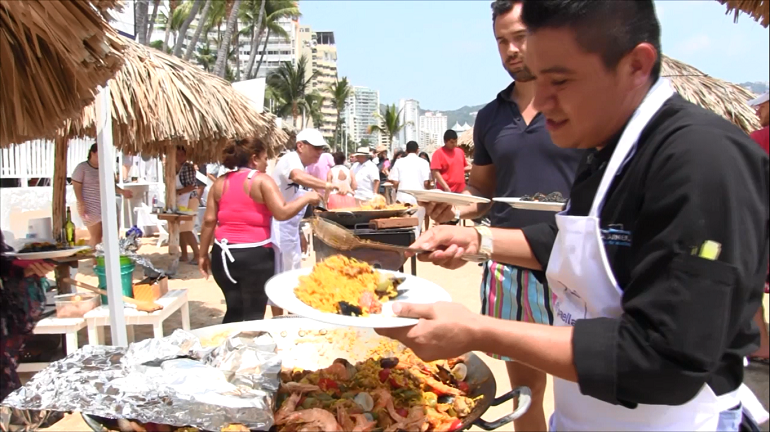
[757, 9]
[160, 100]
[53, 55]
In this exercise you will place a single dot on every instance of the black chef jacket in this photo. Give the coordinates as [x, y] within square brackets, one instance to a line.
[686, 320]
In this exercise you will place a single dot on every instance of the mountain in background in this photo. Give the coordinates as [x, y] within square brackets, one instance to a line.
[756, 87]
[460, 115]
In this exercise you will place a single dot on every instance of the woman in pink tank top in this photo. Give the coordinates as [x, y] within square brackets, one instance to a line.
[239, 212]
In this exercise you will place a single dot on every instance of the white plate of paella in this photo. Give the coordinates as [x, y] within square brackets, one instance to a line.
[347, 292]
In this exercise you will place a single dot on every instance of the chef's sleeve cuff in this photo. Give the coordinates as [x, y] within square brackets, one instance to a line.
[594, 343]
[541, 238]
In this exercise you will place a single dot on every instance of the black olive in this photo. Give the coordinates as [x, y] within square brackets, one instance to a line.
[445, 399]
[349, 309]
[388, 362]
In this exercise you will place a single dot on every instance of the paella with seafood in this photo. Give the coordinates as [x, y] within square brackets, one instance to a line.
[346, 286]
[378, 394]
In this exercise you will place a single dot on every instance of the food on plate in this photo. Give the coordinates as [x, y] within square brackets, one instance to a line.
[42, 247]
[346, 286]
[554, 197]
[384, 393]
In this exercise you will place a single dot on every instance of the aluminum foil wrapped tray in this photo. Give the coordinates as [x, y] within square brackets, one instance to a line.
[171, 381]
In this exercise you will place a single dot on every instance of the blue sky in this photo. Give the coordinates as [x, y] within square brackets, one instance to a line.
[443, 53]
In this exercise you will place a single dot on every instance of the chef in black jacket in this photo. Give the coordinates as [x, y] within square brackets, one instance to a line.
[657, 262]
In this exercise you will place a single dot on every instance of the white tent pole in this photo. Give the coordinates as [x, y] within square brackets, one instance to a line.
[109, 218]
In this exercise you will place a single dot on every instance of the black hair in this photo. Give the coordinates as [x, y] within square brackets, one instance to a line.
[425, 156]
[238, 153]
[182, 148]
[91, 150]
[450, 135]
[502, 7]
[412, 147]
[610, 28]
[339, 158]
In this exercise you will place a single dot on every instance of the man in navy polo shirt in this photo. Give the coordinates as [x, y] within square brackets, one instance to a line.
[514, 156]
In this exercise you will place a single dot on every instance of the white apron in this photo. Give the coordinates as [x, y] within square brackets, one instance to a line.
[580, 277]
[227, 256]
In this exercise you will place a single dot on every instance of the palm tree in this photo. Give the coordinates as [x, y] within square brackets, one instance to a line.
[205, 57]
[151, 22]
[390, 122]
[289, 85]
[202, 23]
[141, 21]
[340, 91]
[172, 4]
[312, 108]
[274, 11]
[232, 17]
[261, 16]
[191, 15]
[181, 12]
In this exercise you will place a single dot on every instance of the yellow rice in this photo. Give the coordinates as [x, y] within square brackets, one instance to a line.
[336, 279]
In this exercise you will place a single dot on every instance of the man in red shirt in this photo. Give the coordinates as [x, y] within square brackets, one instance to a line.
[762, 106]
[448, 165]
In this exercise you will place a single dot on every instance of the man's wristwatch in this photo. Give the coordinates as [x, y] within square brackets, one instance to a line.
[485, 240]
[457, 214]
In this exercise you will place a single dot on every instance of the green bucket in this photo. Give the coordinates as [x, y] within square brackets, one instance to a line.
[126, 276]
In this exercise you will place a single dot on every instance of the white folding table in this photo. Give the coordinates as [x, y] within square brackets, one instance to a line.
[173, 301]
[52, 325]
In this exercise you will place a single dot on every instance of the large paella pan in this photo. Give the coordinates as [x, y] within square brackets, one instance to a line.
[311, 345]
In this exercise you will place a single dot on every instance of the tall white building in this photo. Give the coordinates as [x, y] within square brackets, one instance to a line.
[359, 113]
[410, 118]
[432, 128]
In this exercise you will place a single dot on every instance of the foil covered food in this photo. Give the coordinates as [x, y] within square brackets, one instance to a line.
[171, 380]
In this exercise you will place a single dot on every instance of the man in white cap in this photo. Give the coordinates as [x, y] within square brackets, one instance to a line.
[367, 176]
[289, 173]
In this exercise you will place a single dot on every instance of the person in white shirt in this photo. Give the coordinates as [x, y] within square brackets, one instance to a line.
[410, 173]
[339, 173]
[367, 176]
[290, 176]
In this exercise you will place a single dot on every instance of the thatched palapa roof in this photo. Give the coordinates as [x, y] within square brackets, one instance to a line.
[159, 99]
[722, 97]
[53, 55]
[757, 9]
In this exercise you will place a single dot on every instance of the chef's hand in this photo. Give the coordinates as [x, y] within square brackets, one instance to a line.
[445, 329]
[343, 189]
[439, 212]
[38, 268]
[449, 243]
[312, 197]
[204, 265]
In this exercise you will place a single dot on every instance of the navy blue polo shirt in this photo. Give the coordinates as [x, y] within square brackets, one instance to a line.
[526, 160]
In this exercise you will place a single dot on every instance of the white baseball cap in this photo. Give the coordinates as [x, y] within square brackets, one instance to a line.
[759, 101]
[312, 137]
[362, 151]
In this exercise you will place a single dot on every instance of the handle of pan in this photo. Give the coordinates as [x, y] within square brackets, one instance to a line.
[525, 399]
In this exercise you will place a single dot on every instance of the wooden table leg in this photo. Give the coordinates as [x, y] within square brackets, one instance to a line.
[173, 246]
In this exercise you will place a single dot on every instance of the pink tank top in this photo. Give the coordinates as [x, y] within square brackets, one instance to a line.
[240, 219]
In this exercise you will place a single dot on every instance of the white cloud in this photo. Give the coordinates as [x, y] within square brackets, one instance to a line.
[694, 44]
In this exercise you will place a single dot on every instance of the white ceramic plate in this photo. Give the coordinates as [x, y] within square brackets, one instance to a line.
[280, 290]
[439, 196]
[517, 203]
[63, 253]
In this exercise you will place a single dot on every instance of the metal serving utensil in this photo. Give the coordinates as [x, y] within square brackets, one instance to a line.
[341, 238]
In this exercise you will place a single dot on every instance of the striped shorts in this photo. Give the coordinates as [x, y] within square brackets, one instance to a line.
[513, 293]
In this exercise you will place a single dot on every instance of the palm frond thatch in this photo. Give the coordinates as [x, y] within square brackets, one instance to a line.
[53, 55]
[159, 99]
[721, 97]
[759, 10]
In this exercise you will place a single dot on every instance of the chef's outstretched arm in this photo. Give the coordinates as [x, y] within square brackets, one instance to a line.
[681, 311]
[526, 248]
